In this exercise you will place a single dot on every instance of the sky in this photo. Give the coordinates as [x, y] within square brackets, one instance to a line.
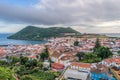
[86, 16]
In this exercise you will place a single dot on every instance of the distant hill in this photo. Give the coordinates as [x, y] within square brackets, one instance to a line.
[35, 33]
[93, 36]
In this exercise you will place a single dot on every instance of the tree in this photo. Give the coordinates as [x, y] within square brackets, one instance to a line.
[6, 74]
[14, 59]
[56, 74]
[21, 71]
[118, 52]
[104, 52]
[91, 57]
[80, 55]
[76, 43]
[40, 64]
[23, 60]
[34, 62]
[31, 63]
[26, 78]
[7, 58]
[2, 63]
[88, 57]
[97, 45]
[45, 54]
[38, 57]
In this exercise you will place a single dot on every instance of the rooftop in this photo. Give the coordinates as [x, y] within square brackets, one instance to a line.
[76, 74]
[83, 65]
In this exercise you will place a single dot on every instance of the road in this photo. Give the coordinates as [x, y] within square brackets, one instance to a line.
[62, 74]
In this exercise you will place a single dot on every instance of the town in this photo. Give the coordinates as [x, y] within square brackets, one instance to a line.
[68, 58]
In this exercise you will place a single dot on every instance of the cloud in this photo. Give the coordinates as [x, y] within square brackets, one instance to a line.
[83, 10]
[100, 27]
[10, 27]
[80, 13]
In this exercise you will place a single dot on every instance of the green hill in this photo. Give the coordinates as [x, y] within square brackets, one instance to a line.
[35, 33]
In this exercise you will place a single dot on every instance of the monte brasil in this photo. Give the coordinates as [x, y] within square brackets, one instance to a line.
[35, 33]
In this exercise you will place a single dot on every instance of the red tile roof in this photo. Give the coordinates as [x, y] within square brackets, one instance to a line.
[57, 66]
[83, 65]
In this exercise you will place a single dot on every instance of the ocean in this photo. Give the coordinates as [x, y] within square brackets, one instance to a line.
[4, 41]
[112, 34]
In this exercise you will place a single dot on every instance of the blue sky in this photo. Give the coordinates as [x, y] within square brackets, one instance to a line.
[86, 16]
[19, 2]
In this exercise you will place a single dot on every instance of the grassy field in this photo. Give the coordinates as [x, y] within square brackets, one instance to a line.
[40, 75]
